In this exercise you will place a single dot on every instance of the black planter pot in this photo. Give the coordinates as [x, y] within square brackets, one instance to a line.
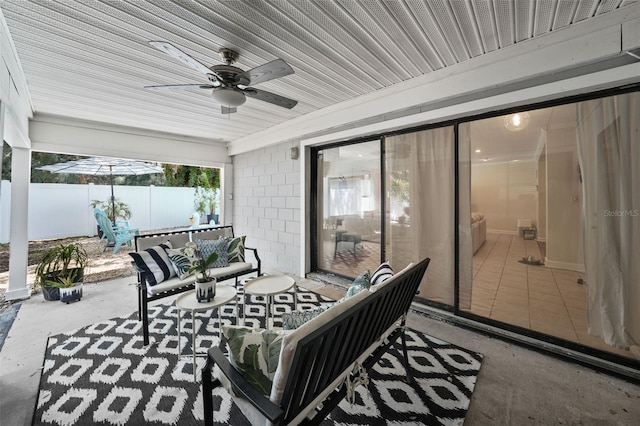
[50, 293]
[53, 293]
[213, 217]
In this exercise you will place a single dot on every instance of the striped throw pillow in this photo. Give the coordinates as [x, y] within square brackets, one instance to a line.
[155, 262]
[382, 273]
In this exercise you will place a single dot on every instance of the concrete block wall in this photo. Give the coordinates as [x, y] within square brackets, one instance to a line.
[266, 197]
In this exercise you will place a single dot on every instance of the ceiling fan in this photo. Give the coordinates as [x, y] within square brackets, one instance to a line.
[230, 84]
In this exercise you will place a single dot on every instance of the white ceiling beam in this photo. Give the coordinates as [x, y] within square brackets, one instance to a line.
[63, 135]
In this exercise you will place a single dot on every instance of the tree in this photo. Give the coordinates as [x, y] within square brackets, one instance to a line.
[191, 176]
[6, 161]
[174, 175]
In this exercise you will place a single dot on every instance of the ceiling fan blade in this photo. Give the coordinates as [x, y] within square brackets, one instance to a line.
[179, 87]
[272, 98]
[227, 110]
[269, 71]
[178, 54]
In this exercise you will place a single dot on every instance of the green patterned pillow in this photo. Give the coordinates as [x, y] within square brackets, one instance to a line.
[293, 320]
[235, 251]
[361, 282]
[181, 262]
[254, 353]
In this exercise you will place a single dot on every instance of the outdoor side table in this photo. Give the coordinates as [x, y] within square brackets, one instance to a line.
[269, 286]
[188, 302]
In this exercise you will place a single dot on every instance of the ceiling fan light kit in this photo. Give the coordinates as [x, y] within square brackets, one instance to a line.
[228, 96]
[229, 84]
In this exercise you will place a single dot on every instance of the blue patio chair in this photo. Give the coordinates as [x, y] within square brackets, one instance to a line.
[120, 226]
[115, 237]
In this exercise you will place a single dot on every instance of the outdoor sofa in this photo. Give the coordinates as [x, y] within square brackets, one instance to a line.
[157, 277]
[322, 359]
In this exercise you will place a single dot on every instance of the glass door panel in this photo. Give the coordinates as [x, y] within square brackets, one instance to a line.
[525, 192]
[349, 208]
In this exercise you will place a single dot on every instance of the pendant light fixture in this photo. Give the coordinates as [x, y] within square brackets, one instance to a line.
[516, 122]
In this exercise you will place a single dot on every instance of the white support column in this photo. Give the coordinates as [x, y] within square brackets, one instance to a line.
[18, 258]
[4, 188]
[2, 109]
[226, 194]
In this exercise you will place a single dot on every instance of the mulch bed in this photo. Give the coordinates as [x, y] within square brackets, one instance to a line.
[102, 265]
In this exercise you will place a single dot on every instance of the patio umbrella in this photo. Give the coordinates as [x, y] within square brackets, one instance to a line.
[102, 166]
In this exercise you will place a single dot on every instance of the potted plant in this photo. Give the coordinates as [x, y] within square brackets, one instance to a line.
[68, 286]
[212, 200]
[60, 264]
[205, 283]
[205, 202]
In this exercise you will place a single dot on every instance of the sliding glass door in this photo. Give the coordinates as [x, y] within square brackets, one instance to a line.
[417, 197]
[546, 222]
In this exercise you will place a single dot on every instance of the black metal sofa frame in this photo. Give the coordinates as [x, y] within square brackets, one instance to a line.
[145, 241]
[324, 355]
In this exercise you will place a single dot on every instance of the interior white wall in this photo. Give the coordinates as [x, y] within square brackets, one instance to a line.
[542, 197]
[504, 192]
[564, 202]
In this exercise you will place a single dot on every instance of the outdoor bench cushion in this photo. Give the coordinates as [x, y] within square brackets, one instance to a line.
[176, 282]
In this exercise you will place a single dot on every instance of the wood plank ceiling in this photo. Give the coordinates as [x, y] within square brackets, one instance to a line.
[90, 59]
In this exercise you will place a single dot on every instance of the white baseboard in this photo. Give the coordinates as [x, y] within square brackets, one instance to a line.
[502, 231]
[564, 265]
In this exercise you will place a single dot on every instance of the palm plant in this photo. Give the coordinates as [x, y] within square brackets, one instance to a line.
[60, 263]
[122, 209]
[200, 266]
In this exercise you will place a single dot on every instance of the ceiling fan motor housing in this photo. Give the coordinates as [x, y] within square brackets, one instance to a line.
[228, 56]
[229, 74]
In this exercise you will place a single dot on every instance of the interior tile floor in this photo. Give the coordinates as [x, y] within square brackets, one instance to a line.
[539, 298]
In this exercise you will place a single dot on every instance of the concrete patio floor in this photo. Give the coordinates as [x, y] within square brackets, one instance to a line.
[516, 386]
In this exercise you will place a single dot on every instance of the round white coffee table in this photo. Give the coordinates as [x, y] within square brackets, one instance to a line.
[269, 286]
[188, 302]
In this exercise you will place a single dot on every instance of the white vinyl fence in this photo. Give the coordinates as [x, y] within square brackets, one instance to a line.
[64, 210]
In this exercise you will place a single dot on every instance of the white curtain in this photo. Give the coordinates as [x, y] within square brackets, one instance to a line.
[464, 225]
[609, 158]
[428, 157]
[344, 196]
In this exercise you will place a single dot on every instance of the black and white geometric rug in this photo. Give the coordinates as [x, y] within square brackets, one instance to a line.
[103, 375]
